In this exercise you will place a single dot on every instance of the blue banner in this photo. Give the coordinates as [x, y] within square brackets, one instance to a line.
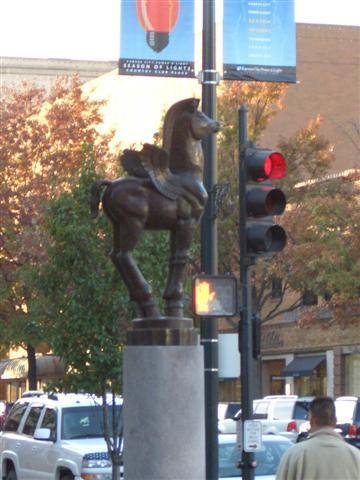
[157, 38]
[259, 40]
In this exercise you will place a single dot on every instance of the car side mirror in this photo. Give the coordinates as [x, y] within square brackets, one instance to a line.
[43, 434]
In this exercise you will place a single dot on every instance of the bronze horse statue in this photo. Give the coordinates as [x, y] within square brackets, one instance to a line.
[164, 191]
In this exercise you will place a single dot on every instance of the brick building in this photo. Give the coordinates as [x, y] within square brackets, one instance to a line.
[43, 71]
[328, 75]
[326, 358]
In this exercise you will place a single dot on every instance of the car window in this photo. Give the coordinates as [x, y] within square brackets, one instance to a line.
[84, 422]
[49, 421]
[301, 410]
[13, 419]
[344, 410]
[232, 410]
[357, 413]
[260, 416]
[31, 420]
[261, 407]
[283, 410]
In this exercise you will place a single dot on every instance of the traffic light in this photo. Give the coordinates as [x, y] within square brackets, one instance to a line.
[214, 295]
[260, 200]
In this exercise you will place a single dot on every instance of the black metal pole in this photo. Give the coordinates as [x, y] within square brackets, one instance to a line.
[208, 329]
[245, 328]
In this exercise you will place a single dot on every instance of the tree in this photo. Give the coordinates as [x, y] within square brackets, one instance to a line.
[82, 300]
[263, 101]
[322, 255]
[42, 137]
[321, 221]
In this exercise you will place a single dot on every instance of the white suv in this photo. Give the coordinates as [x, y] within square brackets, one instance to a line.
[55, 437]
[278, 414]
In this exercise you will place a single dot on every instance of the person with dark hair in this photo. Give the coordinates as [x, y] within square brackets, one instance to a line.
[324, 455]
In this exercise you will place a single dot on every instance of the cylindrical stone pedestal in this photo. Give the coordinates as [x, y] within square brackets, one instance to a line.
[164, 428]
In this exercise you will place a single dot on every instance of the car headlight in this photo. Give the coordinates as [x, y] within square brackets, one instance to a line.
[96, 463]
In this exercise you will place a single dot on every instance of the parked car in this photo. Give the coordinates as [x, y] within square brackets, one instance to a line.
[55, 437]
[268, 459]
[279, 414]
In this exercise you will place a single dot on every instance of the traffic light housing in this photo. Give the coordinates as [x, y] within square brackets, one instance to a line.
[214, 295]
[260, 200]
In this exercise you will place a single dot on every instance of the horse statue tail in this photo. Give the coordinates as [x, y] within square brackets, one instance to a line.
[95, 196]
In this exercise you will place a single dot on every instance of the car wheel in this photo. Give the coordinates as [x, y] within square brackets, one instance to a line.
[67, 476]
[11, 475]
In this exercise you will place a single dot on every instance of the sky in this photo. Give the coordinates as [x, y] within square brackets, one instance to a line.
[89, 29]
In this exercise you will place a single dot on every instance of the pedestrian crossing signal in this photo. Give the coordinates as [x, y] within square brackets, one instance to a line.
[214, 295]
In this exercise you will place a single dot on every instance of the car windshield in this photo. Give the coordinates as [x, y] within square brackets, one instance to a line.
[344, 410]
[268, 458]
[84, 422]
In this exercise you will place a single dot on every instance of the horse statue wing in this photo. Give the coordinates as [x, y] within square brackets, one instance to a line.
[151, 162]
[132, 164]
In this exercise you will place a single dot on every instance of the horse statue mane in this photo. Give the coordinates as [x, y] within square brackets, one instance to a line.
[188, 105]
[155, 163]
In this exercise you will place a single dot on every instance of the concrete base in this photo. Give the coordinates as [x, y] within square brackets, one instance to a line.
[164, 426]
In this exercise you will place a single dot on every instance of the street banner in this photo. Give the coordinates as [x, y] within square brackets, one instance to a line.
[259, 40]
[157, 38]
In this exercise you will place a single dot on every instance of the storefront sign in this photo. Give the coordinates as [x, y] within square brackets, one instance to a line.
[272, 340]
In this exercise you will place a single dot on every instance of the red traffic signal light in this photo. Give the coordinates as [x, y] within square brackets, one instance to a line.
[264, 164]
[214, 295]
[259, 200]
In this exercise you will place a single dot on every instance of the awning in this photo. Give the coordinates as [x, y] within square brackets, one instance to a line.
[47, 366]
[302, 366]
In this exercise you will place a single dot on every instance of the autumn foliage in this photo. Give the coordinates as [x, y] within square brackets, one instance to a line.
[321, 219]
[44, 137]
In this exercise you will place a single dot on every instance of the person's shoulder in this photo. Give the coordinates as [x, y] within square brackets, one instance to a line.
[298, 448]
[354, 450]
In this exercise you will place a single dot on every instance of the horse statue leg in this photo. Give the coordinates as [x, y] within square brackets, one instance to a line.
[180, 241]
[139, 289]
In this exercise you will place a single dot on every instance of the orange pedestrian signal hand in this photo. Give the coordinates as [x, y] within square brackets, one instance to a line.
[204, 296]
[214, 295]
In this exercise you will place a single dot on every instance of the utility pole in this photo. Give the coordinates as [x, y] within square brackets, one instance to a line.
[208, 330]
[245, 322]
[259, 201]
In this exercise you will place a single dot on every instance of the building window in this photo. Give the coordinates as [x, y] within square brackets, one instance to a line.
[352, 369]
[292, 315]
[276, 288]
